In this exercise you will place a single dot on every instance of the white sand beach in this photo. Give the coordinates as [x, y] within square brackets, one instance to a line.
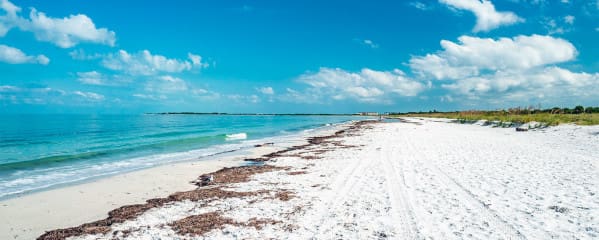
[28, 216]
[417, 179]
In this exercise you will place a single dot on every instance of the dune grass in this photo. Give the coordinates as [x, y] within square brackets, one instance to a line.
[547, 118]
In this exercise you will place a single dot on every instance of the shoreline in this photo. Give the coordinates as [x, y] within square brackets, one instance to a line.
[29, 215]
[411, 179]
[282, 139]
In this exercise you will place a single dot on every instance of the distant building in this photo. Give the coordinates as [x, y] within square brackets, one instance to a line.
[368, 113]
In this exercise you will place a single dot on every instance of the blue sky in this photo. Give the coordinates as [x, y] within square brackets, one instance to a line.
[296, 56]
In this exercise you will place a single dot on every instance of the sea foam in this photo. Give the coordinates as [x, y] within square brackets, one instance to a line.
[236, 136]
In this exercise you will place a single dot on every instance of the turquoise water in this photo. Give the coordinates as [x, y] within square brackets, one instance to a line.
[41, 151]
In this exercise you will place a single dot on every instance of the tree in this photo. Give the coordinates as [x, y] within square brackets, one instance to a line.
[578, 109]
[556, 110]
[588, 110]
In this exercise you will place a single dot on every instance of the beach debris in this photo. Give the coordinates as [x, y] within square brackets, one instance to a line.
[259, 223]
[203, 223]
[199, 224]
[204, 180]
[260, 159]
[558, 209]
[284, 195]
[521, 129]
[264, 144]
[129, 212]
[241, 174]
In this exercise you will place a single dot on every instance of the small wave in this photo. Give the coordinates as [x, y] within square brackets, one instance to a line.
[236, 136]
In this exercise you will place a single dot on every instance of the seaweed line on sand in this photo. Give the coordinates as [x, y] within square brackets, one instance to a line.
[209, 193]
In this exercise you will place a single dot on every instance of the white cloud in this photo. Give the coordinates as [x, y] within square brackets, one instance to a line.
[10, 18]
[487, 18]
[91, 78]
[144, 63]
[69, 31]
[90, 96]
[552, 27]
[370, 43]
[9, 7]
[100, 79]
[31, 95]
[569, 19]
[64, 32]
[80, 54]
[150, 96]
[16, 56]
[537, 83]
[473, 55]
[507, 69]
[243, 98]
[41, 95]
[166, 84]
[364, 86]
[266, 90]
[420, 5]
[196, 60]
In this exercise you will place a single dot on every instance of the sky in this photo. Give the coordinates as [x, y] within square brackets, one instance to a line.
[73, 56]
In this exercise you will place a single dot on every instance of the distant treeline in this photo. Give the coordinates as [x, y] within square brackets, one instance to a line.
[253, 114]
[518, 110]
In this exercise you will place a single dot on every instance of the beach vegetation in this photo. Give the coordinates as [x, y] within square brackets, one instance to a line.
[579, 115]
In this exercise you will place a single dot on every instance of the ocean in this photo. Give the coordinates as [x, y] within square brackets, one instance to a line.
[38, 152]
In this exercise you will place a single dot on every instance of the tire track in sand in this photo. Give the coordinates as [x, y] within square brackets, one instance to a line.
[397, 191]
[463, 195]
[343, 183]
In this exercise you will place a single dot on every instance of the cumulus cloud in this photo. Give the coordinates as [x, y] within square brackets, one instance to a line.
[472, 55]
[100, 79]
[366, 85]
[16, 56]
[42, 95]
[145, 63]
[64, 32]
[9, 18]
[516, 69]
[420, 5]
[266, 90]
[526, 81]
[90, 96]
[37, 95]
[150, 96]
[569, 19]
[244, 98]
[370, 43]
[167, 84]
[80, 54]
[91, 78]
[552, 27]
[487, 18]
[68, 31]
